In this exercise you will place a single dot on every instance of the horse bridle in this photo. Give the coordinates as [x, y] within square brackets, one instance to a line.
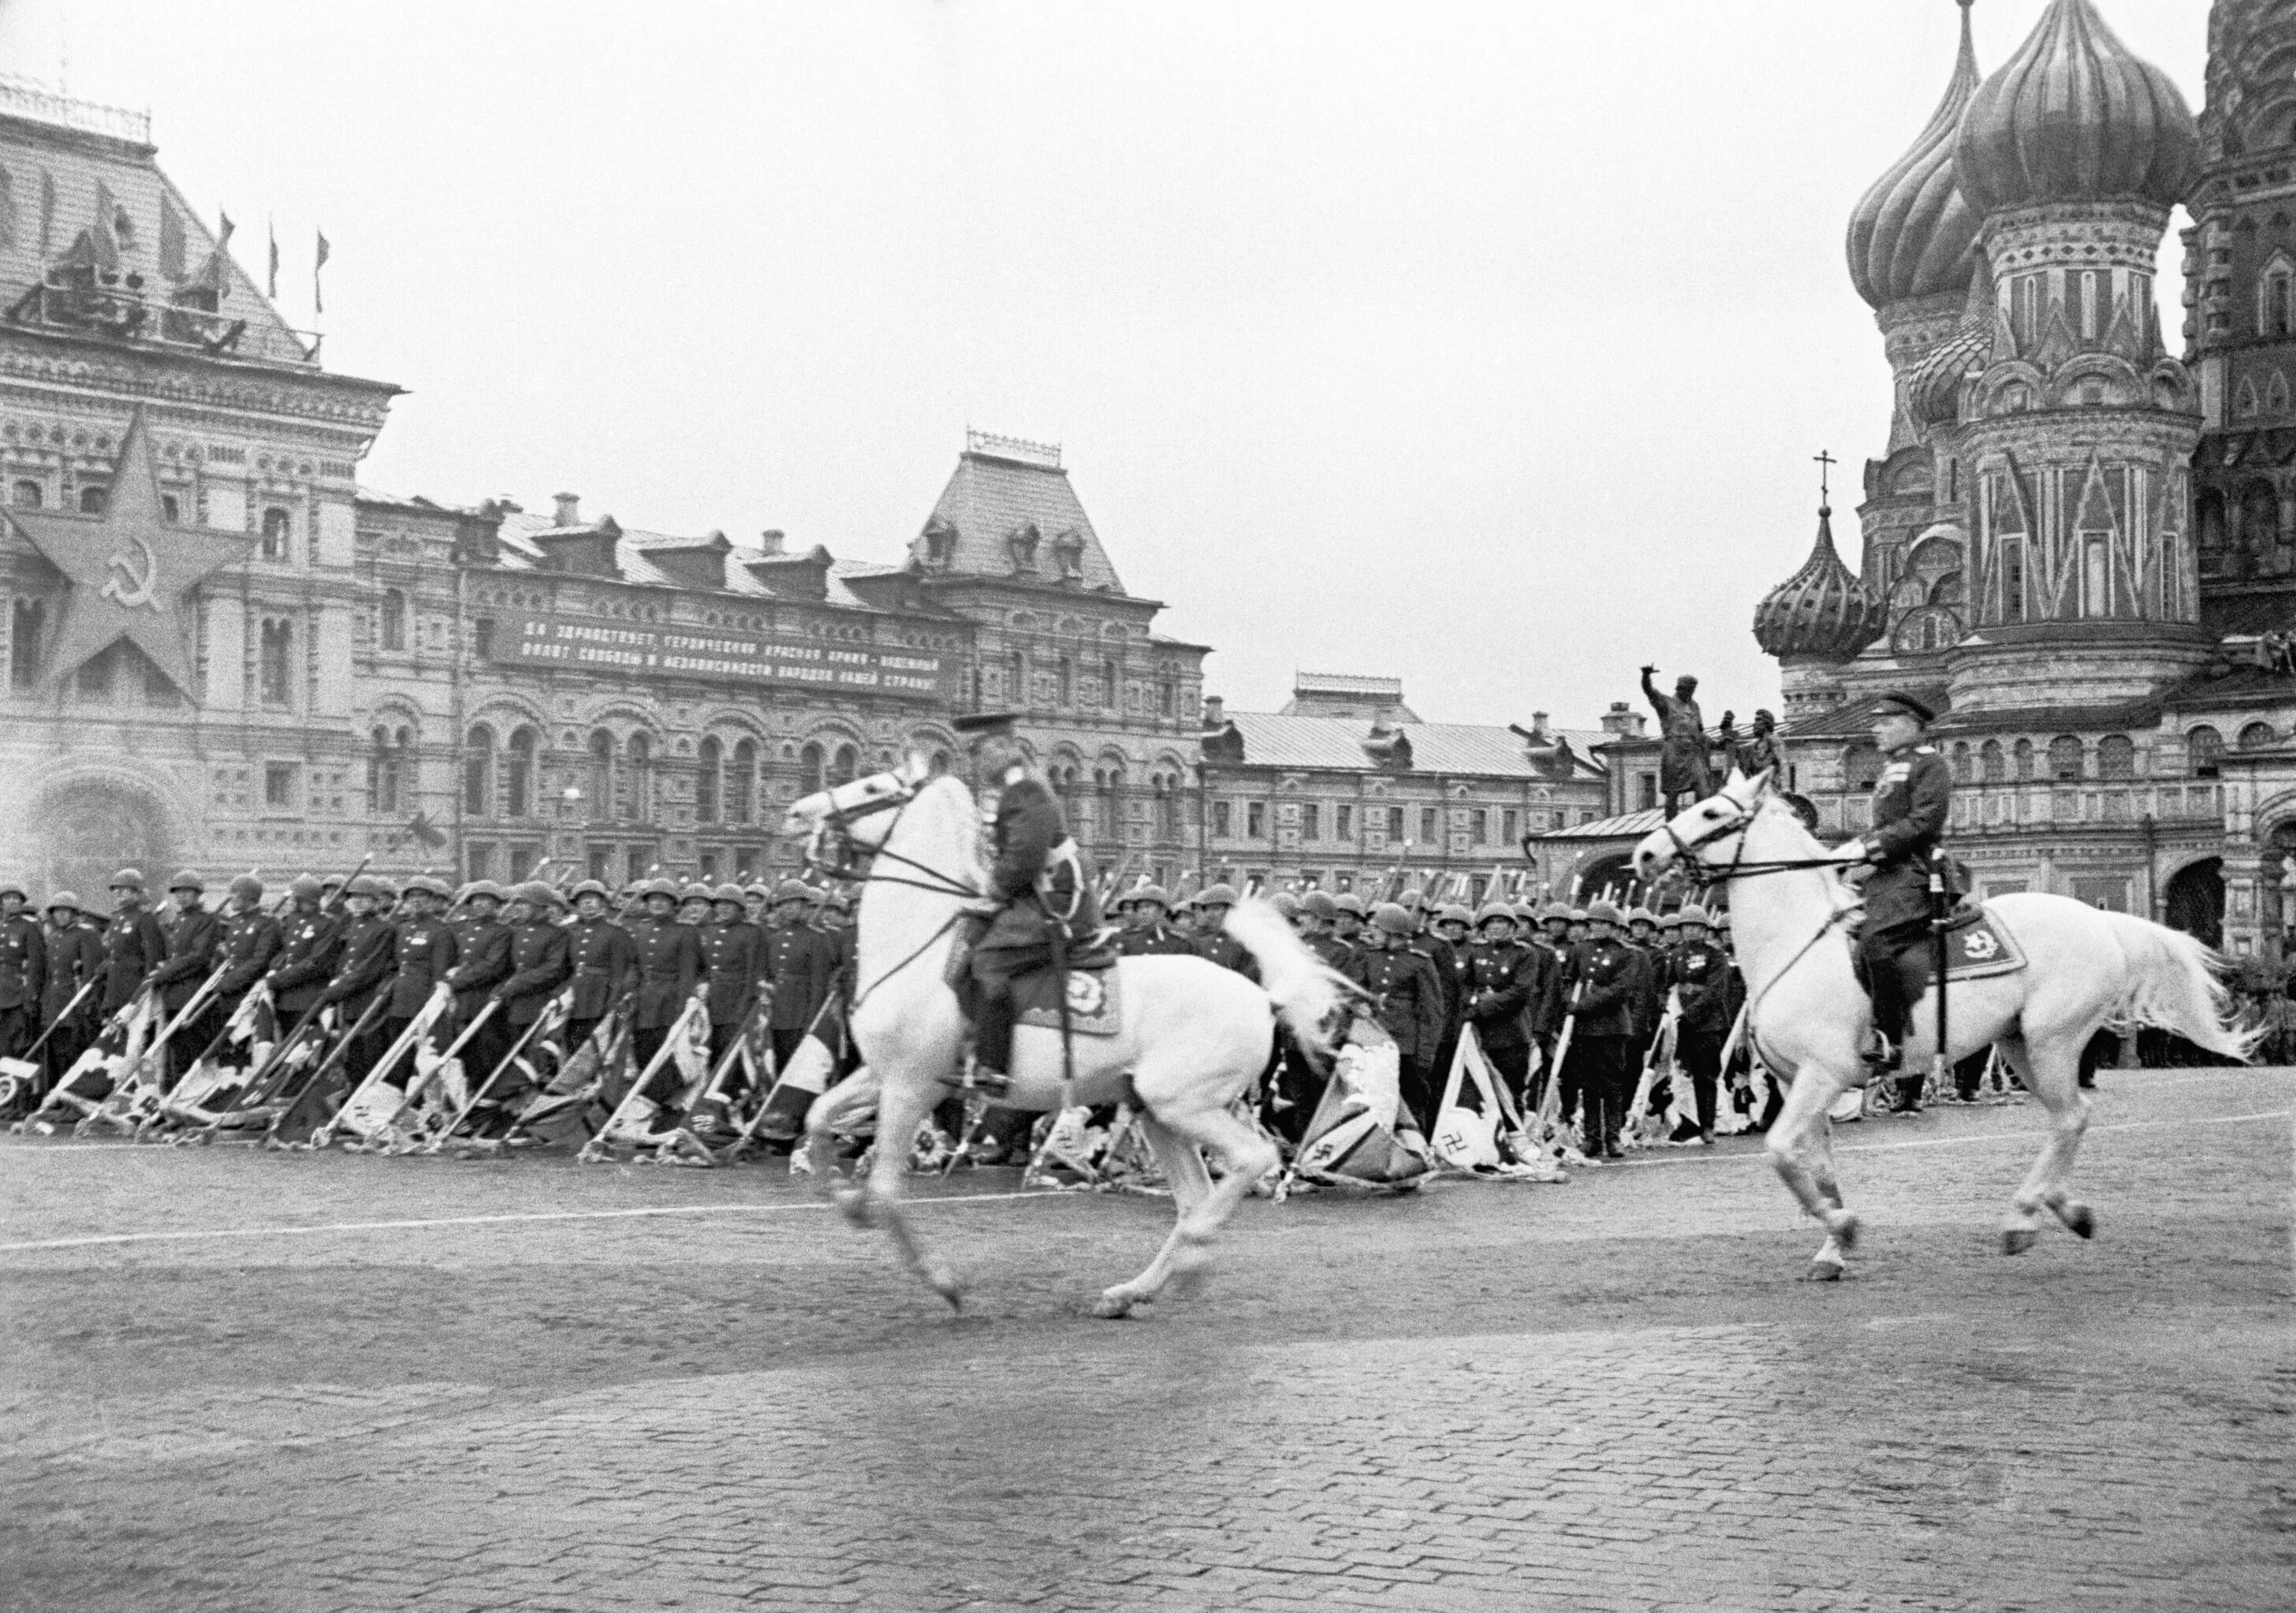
[1739, 868]
[837, 821]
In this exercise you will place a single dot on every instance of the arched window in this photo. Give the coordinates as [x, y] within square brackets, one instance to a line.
[386, 772]
[479, 771]
[636, 801]
[709, 780]
[517, 775]
[939, 764]
[28, 494]
[277, 644]
[2204, 751]
[848, 765]
[2257, 736]
[2024, 759]
[274, 533]
[91, 501]
[2067, 755]
[1064, 681]
[2116, 757]
[1861, 765]
[1961, 763]
[741, 783]
[1992, 765]
[601, 775]
[26, 619]
[393, 620]
[813, 770]
[2273, 311]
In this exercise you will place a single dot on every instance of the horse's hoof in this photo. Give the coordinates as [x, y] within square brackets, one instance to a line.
[1823, 1271]
[946, 1284]
[854, 1205]
[1112, 1306]
[1843, 1226]
[2017, 1240]
[2079, 1220]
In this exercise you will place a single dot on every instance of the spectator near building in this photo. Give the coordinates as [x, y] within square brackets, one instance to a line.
[1346, 785]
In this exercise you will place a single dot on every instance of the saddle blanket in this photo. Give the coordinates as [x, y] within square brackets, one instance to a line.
[1095, 1001]
[1978, 945]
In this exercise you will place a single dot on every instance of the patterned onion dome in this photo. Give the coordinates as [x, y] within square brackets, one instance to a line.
[1821, 610]
[2074, 117]
[1913, 235]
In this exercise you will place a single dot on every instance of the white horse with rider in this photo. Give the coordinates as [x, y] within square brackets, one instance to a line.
[1810, 1021]
[1194, 1037]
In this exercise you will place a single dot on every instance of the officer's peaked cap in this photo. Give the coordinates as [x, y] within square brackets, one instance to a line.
[1898, 702]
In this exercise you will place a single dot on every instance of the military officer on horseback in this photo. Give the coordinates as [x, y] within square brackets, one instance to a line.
[1041, 909]
[1912, 801]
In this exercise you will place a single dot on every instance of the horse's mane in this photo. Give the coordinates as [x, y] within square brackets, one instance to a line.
[947, 794]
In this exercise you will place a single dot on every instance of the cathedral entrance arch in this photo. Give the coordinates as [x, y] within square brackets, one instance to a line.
[1607, 877]
[2196, 900]
[85, 829]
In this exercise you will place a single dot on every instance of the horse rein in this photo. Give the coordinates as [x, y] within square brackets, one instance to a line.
[838, 820]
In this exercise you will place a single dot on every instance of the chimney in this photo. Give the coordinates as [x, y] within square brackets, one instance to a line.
[1622, 721]
[770, 540]
[1215, 711]
[570, 509]
[1538, 728]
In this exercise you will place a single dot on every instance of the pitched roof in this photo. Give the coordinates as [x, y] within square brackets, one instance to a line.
[1338, 744]
[520, 552]
[57, 159]
[989, 498]
[1627, 825]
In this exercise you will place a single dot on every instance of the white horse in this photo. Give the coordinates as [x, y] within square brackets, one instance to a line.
[1194, 1035]
[1795, 925]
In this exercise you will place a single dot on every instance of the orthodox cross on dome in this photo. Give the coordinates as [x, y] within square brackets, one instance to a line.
[1824, 461]
[132, 568]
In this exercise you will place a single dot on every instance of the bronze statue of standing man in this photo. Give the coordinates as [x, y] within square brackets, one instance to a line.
[1682, 765]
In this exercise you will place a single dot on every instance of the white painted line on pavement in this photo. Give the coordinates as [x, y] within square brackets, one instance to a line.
[1700, 1156]
[100, 1240]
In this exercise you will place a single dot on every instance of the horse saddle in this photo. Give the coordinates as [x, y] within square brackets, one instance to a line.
[1095, 1005]
[1976, 945]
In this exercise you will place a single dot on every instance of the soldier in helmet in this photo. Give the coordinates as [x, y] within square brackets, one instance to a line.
[482, 945]
[1045, 905]
[1698, 973]
[1349, 915]
[23, 972]
[602, 962]
[74, 945]
[250, 939]
[193, 939]
[1405, 1001]
[539, 967]
[423, 956]
[1145, 934]
[1503, 981]
[798, 966]
[366, 958]
[310, 943]
[670, 967]
[1212, 940]
[1598, 987]
[730, 948]
[133, 943]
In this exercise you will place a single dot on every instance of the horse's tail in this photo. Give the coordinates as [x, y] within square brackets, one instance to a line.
[1306, 991]
[2174, 983]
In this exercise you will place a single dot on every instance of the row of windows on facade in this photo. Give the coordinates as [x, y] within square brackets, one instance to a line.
[2275, 297]
[2090, 292]
[1012, 682]
[611, 864]
[100, 674]
[278, 524]
[2097, 590]
[2066, 759]
[1478, 823]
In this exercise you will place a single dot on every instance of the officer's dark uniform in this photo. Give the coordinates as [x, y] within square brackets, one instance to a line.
[310, 945]
[669, 966]
[731, 952]
[1155, 938]
[1911, 800]
[366, 952]
[540, 966]
[482, 963]
[1698, 973]
[1215, 945]
[75, 956]
[1502, 979]
[800, 964]
[1037, 877]
[1406, 1001]
[1598, 986]
[251, 940]
[194, 939]
[425, 953]
[23, 975]
[604, 965]
[134, 945]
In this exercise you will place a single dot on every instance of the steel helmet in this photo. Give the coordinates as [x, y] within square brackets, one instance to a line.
[792, 890]
[186, 880]
[593, 887]
[1347, 901]
[1286, 904]
[127, 878]
[1602, 913]
[1454, 913]
[1556, 910]
[1319, 904]
[1641, 915]
[1693, 913]
[1395, 918]
[64, 899]
[1493, 910]
[1217, 895]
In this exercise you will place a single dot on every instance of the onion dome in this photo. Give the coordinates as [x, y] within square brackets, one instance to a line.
[1821, 610]
[1913, 234]
[2074, 117]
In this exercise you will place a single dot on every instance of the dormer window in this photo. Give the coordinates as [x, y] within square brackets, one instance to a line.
[940, 543]
[1022, 545]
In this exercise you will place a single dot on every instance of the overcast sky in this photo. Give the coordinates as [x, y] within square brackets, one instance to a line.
[1484, 345]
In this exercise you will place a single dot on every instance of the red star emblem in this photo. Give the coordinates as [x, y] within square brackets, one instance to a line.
[132, 569]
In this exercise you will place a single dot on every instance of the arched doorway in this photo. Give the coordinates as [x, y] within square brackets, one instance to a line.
[91, 828]
[1607, 877]
[2196, 900]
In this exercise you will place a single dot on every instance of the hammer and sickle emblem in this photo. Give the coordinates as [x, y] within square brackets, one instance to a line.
[131, 591]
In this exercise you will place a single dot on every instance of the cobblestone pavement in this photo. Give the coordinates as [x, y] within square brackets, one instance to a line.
[593, 1388]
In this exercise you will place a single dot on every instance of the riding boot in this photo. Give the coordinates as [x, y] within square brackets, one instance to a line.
[992, 1039]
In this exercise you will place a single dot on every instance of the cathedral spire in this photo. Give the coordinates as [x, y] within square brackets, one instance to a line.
[1912, 233]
